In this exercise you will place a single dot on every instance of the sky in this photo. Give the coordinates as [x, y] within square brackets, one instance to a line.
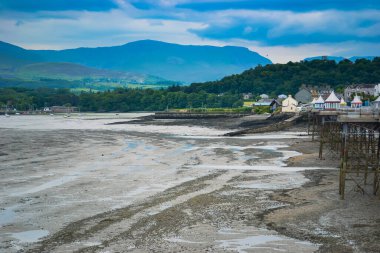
[281, 30]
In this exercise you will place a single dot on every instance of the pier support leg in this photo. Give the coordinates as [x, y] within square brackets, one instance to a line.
[343, 165]
[321, 149]
[322, 136]
[376, 180]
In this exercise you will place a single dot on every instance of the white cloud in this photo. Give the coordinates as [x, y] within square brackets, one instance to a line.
[284, 54]
[69, 29]
[94, 29]
[284, 22]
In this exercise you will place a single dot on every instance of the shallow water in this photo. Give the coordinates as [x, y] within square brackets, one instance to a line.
[7, 215]
[30, 236]
[262, 240]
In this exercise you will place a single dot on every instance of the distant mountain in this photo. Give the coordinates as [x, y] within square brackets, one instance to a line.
[330, 58]
[170, 61]
[354, 58]
[12, 56]
[340, 58]
[18, 65]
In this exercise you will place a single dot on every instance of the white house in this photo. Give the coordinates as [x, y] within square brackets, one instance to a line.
[377, 89]
[376, 103]
[247, 96]
[289, 104]
[366, 89]
[319, 103]
[357, 102]
[332, 102]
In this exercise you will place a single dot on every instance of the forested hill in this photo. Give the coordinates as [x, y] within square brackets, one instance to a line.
[287, 78]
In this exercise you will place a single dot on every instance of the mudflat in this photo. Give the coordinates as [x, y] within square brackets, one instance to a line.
[81, 185]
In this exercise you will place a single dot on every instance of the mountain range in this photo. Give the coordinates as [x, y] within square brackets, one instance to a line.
[339, 58]
[145, 59]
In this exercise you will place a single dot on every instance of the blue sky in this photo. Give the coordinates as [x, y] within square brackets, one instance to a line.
[282, 30]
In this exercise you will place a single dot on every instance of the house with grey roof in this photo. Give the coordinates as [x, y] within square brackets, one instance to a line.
[365, 89]
[303, 96]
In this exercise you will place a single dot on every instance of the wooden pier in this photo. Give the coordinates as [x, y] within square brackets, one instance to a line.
[354, 138]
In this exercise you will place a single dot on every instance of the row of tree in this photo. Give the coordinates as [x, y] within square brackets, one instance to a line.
[277, 79]
[123, 100]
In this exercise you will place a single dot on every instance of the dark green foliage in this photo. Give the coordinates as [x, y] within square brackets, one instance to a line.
[261, 109]
[26, 98]
[287, 78]
[123, 100]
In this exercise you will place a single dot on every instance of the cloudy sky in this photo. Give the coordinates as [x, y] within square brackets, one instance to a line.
[281, 30]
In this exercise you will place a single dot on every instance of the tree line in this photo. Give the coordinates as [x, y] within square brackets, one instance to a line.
[275, 79]
[122, 100]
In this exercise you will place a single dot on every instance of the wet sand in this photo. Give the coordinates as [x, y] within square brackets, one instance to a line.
[90, 187]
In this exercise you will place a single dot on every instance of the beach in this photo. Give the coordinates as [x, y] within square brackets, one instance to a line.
[89, 184]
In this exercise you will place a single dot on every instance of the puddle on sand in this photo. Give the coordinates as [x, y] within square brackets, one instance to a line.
[183, 149]
[179, 240]
[261, 240]
[243, 240]
[7, 215]
[30, 236]
[276, 181]
[269, 136]
[53, 183]
[251, 242]
[132, 144]
[253, 168]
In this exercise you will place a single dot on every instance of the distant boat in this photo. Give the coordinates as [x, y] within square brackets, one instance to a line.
[17, 113]
[7, 115]
[51, 114]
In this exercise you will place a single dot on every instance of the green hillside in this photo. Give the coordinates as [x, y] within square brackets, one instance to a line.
[287, 78]
[71, 71]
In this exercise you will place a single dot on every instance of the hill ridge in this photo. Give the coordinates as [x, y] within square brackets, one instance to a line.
[187, 63]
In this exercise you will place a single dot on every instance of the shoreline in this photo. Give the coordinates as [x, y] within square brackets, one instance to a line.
[215, 209]
[317, 213]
